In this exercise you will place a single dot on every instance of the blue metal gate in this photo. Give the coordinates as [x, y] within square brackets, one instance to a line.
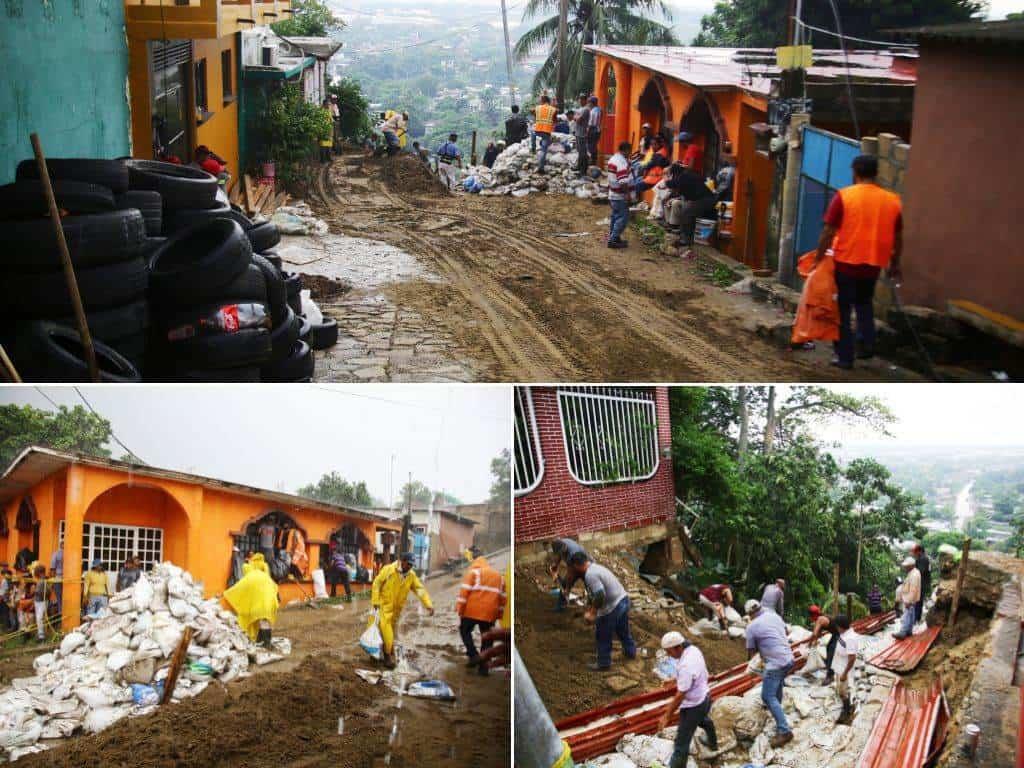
[826, 168]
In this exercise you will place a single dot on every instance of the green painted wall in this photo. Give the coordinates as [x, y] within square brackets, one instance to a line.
[64, 76]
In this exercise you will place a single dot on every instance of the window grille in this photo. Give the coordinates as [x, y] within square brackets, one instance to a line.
[113, 544]
[610, 433]
[529, 466]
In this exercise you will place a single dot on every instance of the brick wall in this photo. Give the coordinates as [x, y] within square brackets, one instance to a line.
[893, 156]
[560, 505]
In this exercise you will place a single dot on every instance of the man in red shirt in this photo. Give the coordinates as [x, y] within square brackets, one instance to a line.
[864, 228]
[690, 154]
[210, 162]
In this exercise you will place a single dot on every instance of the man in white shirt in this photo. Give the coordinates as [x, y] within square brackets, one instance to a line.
[620, 187]
[908, 593]
[692, 700]
[843, 664]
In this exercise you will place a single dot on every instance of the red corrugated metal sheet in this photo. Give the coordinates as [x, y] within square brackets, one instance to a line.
[910, 730]
[640, 713]
[904, 655]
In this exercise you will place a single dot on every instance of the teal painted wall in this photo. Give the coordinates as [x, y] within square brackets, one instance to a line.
[63, 75]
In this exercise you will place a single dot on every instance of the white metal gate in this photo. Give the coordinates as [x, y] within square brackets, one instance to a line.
[113, 544]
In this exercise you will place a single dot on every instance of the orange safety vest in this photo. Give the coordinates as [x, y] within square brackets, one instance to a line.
[654, 174]
[545, 118]
[482, 594]
[867, 232]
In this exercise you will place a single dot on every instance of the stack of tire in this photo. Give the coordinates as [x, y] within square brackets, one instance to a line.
[109, 232]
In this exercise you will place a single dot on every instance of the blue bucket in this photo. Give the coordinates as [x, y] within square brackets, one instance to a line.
[704, 231]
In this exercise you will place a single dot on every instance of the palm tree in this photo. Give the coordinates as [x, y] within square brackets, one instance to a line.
[590, 21]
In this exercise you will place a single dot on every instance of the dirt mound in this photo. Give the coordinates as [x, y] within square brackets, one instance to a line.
[410, 175]
[557, 647]
[270, 719]
[322, 287]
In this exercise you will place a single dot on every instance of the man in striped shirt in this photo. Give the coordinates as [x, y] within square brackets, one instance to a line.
[620, 187]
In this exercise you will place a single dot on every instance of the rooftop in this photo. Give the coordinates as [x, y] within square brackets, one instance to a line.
[1000, 32]
[752, 69]
[35, 464]
[321, 47]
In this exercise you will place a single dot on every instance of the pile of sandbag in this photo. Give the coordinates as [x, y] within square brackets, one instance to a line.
[115, 665]
[736, 625]
[515, 172]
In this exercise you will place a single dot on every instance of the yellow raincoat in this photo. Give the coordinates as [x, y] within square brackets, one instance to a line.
[390, 589]
[253, 597]
[257, 562]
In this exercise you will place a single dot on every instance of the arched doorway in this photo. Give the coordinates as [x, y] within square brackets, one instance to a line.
[276, 535]
[655, 108]
[349, 539]
[606, 97]
[703, 120]
[26, 523]
[387, 548]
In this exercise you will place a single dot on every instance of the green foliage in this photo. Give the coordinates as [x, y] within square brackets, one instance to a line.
[421, 494]
[332, 488]
[764, 24]
[650, 234]
[501, 469]
[68, 429]
[353, 106]
[933, 540]
[613, 22]
[290, 127]
[309, 18]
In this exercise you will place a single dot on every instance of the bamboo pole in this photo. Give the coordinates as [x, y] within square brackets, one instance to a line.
[65, 255]
[835, 588]
[960, 574]
[10, 371]
[177, 660]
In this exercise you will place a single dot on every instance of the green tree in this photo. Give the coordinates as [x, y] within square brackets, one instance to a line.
[309, 18]
[67, 429]
[289, 127]
[610, 21]
[421, 494]
[764, 23]
[354, 109]
[332, 488]
[1015, 544]
[501, 470]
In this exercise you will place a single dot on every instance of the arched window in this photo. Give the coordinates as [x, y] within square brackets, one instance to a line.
[273, 534]
[27, 518]
[3, 523]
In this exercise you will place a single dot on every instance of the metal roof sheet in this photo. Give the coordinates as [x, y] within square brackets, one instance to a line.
[904, 655]
[909, 730]
[751, 69]
[1006, 31]
[35, 464]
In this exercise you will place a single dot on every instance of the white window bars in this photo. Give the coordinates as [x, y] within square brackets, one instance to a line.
[113, 544]
[610, 433]
[529, 465]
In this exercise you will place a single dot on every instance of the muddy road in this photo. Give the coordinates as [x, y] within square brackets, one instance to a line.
[287, 714]
[529, 292]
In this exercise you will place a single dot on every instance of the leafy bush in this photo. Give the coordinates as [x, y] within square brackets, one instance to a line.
[353, 106]
[291, 127]
[309, 18]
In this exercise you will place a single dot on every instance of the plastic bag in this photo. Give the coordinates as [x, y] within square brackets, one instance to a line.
[372, 641]
[319, 585]
[814, 661]
[309, 308]
[142, 594]
[756, 665]
[817, 314]
[432, 689]
[146, 695]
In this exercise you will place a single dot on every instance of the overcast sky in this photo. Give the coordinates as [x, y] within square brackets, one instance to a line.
[282, 437]
[941, 414]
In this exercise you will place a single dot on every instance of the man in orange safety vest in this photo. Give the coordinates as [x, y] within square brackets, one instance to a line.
[480, 603]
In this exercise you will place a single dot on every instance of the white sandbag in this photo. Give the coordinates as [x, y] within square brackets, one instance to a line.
[159, 596]
[319, 585]
[142, 594]
[309, 308]
[282, 645]
[118, 659]
[168, 638]
[102, 718]
[108, 626]
[732, 616]
[43, 662]
[262, 657]
[178, 607]
[143, 623]
[94, 697]
[70, 642]
[814, 662]
[737, 715]
[798, 634]
[117, 642]
[59, 729]
[61, 692]
[139, 671]
[121, 607]
[736, 632]
[176, 587]
[148, 649]
[58, 708]
[645, 751]
[614, 760]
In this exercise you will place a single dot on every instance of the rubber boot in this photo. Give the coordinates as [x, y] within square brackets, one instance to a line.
[847, 714]
[389, 660]
[263, 637]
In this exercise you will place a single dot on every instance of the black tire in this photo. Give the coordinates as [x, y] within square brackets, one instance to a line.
[264, 236]
[177, 220]
[25, 199]
[151, 246]
[243, 221]
[247, 347]
[94, 240]
[305, 328]
[293, 285]
[149, 204]
[277, 295]
[132, 349]
[249, 287]
[299, 365]
[198, 262]
[325, 335]
[111, 174]
[45, 294]
[45, 351]
[112, 325]
[180, 185]
[244, 375]
[284, 336]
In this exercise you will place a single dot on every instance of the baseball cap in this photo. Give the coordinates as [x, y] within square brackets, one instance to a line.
[672, 639]
[407, 557]
[684, 136]
[751, 606]
[814, 610]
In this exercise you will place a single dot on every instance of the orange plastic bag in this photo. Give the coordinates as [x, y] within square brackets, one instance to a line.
[817, 314]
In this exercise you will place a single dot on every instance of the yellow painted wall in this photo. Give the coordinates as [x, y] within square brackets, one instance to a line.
[220, 132]
[198, 523]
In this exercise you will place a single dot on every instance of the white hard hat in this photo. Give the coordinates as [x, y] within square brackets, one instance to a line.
[751, 606]
[672, 639]
[908, 560]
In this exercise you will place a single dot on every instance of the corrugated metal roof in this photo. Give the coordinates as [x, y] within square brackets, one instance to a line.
[1011, 31]
[910, 729]
[35, 464]
[750, 69]
[904, 655]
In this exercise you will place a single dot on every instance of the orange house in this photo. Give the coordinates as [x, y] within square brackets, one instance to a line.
[721, 96]
[114, 509]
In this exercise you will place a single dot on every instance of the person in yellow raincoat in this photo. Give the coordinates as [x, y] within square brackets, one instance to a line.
[390, 589]
[254, 600]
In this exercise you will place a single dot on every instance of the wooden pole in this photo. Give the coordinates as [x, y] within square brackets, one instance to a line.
[9, 369]
[177, 660]
[835, 588]
[563, 71]
[65, 255]
[508, 56]
[960, 574]
[472, 151]
[849, 606]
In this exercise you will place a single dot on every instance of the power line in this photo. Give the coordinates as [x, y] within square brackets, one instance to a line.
[889, 44]
[113, 436]
[418, 406]
[40, 391]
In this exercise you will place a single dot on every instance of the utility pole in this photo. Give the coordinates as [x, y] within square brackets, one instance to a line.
[563, 72]
[508, 53]
[407, 518]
